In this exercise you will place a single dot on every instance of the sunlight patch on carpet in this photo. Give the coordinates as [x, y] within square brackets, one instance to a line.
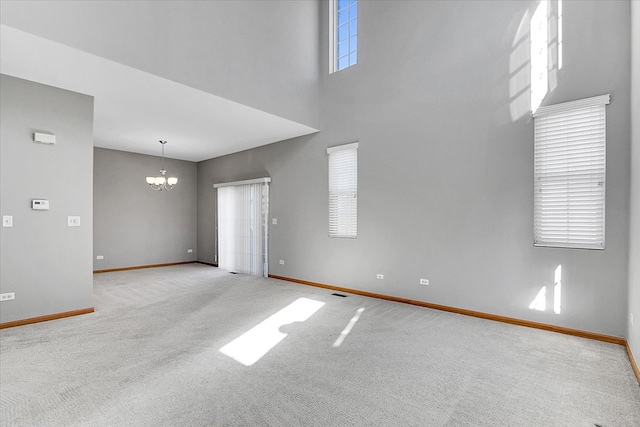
[251, 346]
[347, 329]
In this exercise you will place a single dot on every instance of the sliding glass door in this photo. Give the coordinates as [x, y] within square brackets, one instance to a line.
[243, 212]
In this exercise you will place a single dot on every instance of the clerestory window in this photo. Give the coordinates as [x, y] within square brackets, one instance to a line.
[343, 16]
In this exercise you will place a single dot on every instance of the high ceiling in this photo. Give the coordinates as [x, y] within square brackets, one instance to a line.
[134, 109]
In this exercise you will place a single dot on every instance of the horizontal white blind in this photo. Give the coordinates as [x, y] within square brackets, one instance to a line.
[569, 176]
[343, 190]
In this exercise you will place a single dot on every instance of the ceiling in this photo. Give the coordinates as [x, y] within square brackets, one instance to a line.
[133, 109]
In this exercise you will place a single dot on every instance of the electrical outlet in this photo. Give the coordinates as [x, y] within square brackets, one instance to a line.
[274, 221]
[189, 251]
[7, 221]
[281, 262]
[424, 282]
[73, 221]
[8, 296]
[100, 257]
[380, 276]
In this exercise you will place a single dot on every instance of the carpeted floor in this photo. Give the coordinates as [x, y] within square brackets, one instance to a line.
[150, 356]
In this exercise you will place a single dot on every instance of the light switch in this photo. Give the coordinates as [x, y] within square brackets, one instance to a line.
[7, 221]
[73, 221]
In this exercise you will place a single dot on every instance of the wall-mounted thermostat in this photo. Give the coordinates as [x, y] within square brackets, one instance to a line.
[40, 204]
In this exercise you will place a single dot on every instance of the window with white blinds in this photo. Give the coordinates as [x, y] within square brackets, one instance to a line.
[343, 190]
[569, 174]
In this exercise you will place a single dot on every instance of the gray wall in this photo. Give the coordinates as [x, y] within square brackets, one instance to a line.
[227, 48]
[634, 226]
[293, 167]
[46, 263]
[439, 103]
[134, 225]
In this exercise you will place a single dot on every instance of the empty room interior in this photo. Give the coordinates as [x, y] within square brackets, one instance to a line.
[320, 212]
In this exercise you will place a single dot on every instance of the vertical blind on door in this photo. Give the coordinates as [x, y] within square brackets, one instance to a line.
[343, 190]
[243, 212]
[569, 174]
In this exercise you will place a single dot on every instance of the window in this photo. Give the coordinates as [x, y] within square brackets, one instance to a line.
[344, 34]
[569, 174]
[343, 190]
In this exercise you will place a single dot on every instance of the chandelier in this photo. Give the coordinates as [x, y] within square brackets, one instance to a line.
[159, 183]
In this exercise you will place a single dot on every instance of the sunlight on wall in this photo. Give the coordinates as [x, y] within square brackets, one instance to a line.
[249, 347]
[557, 290]
[540, 301]
[519, 71]
[539, 54]
[536, 57]
[560, 35]
[347, 329]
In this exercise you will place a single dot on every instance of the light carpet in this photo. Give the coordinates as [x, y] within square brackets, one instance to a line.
[150, 356]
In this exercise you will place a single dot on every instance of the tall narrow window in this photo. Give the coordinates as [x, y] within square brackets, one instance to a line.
[243, 209]
[343, 17]
[569, 174]
[343, 190]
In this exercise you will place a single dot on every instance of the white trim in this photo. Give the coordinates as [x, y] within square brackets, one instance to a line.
[332, 36]
[245, 182]
[573, 105]
[352, 146]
